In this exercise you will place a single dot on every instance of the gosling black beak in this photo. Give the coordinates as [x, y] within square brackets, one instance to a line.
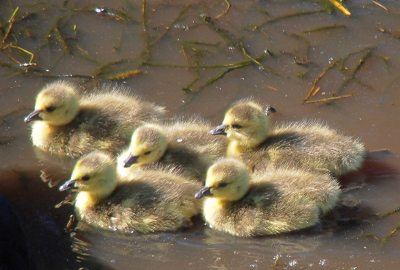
[205, 191]
[269, 110]
[33, 116]
[130, 160]
[220, 130]
[67, 185]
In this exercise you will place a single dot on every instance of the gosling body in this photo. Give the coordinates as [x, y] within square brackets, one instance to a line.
[69, 124]
[305, 143]
[186, 145]
[276, 202]
[150, 201]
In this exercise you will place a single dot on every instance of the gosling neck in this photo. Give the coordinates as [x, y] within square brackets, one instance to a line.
[235, 148]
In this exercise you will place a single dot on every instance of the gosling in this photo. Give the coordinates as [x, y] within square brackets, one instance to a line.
[184, 144]
[276, 202]
[150, 201]
[305, 143]
[69, 124]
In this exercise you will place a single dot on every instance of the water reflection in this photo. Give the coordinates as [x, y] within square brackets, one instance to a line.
[185, 248]
[54, 169]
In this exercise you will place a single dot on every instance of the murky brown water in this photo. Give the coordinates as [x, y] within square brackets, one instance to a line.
[189, 45]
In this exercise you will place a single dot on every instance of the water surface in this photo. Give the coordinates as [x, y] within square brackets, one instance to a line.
[196, 57]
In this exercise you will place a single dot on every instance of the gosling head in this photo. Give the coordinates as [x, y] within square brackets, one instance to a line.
[227, 180]
[148, 144]
[95, 174]
[245, 123]
[57, 104]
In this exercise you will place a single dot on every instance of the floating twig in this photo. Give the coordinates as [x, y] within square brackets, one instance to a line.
[389, 235]
[118, 44]
[123, 75]
[112, 12]
[107, 11]
[344, 59]
[340, 7]
[288, 16]
[316, 91]
[23, 65]
[379, 150]
[230, 68]
[186, 42]
[380, 5]
[144, 30]
[362, 60]
[258, 63]
[387, 213]
[305, 41]
[276, 259]
[329, 67]
[368, 236]
[228, 6]
[89, 77]
[231, 39]
[229, 65]
[101, 69]
[351, 76]
[62, 40]
[378, 215]
[301, 61]
[187, 88]
[152, 64]
[25, 51]
[270, 87]
[170, 26]
[324, 28]
[185, 55]
[214, 79]
[11, 23]
[327, 99]
[82, 50]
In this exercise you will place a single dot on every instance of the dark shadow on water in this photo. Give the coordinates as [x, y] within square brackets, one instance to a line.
[14, 252]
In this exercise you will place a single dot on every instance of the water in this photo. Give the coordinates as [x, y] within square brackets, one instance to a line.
[189, 49]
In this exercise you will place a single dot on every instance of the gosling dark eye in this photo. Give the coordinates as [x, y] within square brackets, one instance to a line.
[50, 109]
[147, 153]
[222, 185]
[86, 178]
[236, 126]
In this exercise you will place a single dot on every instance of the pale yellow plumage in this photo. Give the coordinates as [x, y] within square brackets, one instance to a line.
[305, 143]
[150, 200]
[278, 201]
[186, 145]
[71, 124]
